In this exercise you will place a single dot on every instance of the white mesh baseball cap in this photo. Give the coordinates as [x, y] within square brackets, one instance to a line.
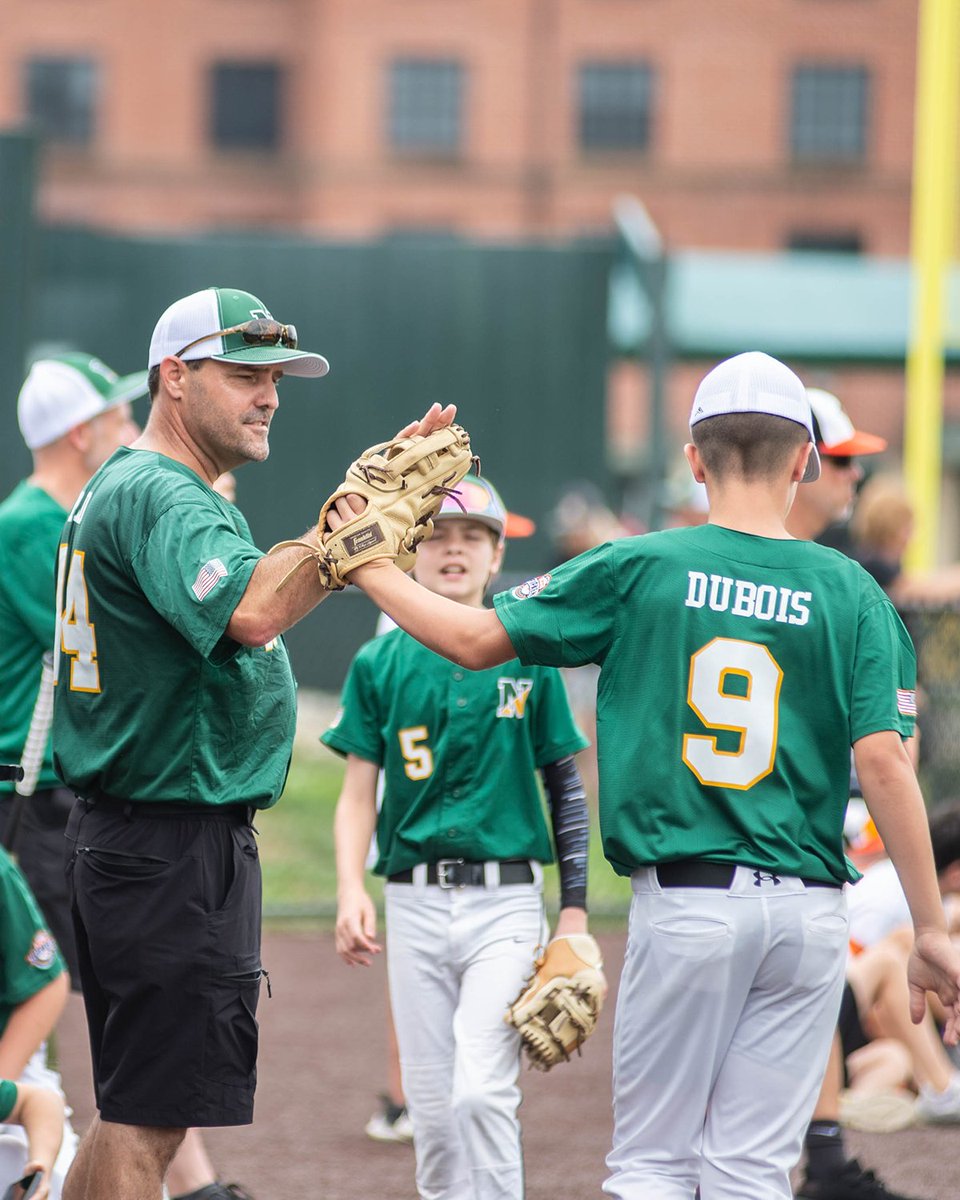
[62, 392]
[480, 501]
[755, 382]
[834, 430]
[207, 325]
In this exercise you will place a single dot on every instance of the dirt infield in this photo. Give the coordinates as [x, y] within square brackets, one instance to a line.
[321, 1065]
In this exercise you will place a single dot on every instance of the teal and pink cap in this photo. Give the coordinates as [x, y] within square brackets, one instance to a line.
[480, 501]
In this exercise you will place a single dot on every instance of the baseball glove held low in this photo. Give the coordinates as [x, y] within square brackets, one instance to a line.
[404, 483]
[558, 1008]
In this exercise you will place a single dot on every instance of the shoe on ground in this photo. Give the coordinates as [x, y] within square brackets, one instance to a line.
[853, 1183]
[940, 1108]
[877, 1112]
[390, 1124]
[217, 1191]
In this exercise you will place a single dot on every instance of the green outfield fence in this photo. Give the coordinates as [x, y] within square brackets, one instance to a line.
[515, 335]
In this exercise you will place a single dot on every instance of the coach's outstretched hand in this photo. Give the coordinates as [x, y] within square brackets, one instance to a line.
[934, 966]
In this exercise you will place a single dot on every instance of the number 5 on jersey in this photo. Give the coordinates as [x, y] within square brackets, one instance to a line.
[751, 711]
[76, 635]
[417, 758]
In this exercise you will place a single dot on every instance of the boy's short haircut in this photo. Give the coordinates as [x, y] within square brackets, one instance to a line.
[750, 445]
[945, 834]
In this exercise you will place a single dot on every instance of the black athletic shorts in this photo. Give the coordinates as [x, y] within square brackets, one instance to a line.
[40, 850]
[166, 909]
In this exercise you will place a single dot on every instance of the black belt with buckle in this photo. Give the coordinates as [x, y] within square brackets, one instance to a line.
[699, 873]
[455, 873]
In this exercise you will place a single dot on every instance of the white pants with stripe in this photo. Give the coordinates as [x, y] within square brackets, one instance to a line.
[725, 1014]
[456, 959]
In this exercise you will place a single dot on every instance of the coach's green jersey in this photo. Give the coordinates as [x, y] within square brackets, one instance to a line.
[154, 701]
[30, 524]
[736, 671]
[29, 957]
[8, 1098]
[459, 750]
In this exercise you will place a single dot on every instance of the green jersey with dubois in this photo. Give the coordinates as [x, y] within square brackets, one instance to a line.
[154, 701]
[736, 672]
[30, 524]
[459, 749]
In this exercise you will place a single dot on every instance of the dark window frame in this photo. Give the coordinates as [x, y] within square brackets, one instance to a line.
[246, 105]
[426, 106]
[65, 118]
[615, 106]
[830, 111]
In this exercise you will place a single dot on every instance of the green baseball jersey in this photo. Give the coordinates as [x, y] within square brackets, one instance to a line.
[29, 958]
[459, 751]
[30, 524]
[8, 1098]
[154, 701]
[736, 672]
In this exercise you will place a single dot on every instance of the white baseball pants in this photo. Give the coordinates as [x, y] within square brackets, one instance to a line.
[456, 959]
[726, 1010]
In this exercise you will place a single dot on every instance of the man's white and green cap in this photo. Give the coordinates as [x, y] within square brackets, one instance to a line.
[192, 328]
[478, 500]
[67, 390]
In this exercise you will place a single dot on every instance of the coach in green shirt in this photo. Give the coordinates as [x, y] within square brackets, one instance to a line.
[173, 721]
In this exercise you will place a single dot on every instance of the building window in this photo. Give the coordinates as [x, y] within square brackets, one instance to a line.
[62, 98]
[426, 105]
[839, 241]
[616, 99]
[246, 106]
[829, 113]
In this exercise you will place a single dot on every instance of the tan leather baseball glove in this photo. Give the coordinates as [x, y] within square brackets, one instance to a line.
[558, 1009]
[404, 483]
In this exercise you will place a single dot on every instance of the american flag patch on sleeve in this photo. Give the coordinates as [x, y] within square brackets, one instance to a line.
[906, 702]
[210, 575]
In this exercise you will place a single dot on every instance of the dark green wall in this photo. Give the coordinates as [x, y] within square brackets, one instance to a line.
[515, 335]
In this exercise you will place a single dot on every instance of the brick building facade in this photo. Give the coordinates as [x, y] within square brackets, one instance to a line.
[743, 124]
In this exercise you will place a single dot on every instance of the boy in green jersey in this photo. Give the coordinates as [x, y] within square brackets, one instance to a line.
[462, 838]
[738, 666]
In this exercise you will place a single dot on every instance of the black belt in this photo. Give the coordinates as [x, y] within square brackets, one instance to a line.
[241, 813]
[698, 872]
[455, 873]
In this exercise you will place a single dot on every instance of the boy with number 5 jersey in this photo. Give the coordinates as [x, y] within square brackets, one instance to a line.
[726, 713]
[462, 836]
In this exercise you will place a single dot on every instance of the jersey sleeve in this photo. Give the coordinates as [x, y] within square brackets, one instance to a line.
[193, 567]
[885, 674]
[29, 957]
[356, 728]
[566, 618]
[557, 735]
[8, 1098]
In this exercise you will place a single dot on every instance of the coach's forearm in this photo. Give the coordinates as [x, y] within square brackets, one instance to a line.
[893, 797]
[263, 613]
[470, 637]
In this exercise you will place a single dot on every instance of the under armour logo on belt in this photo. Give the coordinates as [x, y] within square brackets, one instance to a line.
[760, 878]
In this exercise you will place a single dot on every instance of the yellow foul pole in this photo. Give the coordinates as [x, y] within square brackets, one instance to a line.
[932, 240]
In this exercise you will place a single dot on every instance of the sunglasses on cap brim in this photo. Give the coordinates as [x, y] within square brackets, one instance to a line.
[261, 331]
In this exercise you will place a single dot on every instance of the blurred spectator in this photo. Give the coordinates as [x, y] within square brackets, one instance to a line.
[881, 527]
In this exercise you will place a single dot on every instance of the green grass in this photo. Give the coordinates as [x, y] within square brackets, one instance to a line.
[296, 849]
